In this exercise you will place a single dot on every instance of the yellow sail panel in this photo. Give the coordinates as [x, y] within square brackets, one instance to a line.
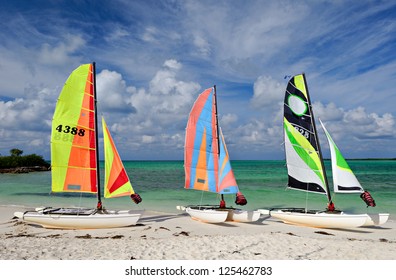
[117, 182]
[73, 145]
[300, 84]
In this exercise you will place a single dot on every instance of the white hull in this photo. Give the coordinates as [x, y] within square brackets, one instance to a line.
[376, 219]
[243, 216]
[96, 220]
[211, 216]
[320, 219]
[216, 215]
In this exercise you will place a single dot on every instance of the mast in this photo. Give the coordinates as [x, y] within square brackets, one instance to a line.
[317, 141]
[217, 129]
[99, 205]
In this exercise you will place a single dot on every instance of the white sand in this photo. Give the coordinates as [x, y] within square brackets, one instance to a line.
[161, 236]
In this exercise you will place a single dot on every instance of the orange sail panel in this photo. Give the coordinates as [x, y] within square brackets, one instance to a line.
[206, 167]
[73, 145]
[116, 179]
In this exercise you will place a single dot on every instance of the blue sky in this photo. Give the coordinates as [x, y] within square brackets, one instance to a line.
[153, 58]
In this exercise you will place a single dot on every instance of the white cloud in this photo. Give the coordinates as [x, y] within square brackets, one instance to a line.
[25, 122]
[147, 139]
[228, 119]
[202, 45]
[161, 112]
[60, 54]
[150, 34]
[112, 92]
[267, 92]
[329, 112]
[370, 125]
[116, 33]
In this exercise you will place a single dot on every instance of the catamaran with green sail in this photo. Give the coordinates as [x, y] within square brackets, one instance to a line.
[75, 161]
[306, 170]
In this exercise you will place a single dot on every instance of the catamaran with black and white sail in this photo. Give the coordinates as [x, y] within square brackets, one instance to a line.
[207, 164]
[306, 171]
[75, 161]
[345, 181]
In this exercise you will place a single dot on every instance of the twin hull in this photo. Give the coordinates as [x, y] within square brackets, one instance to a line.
[216, 215]
[98, 220]
[321, 219]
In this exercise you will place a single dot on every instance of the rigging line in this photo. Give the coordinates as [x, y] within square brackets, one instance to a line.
[200, 204]
[80, 200]
[306, 200]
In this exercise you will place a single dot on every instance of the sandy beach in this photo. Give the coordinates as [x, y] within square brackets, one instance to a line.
[162, 236]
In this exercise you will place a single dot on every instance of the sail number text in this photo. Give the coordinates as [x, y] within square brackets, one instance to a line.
[70, 130]
[302, 131]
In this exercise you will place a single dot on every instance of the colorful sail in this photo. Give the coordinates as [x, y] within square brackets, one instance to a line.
[116, 179]
[304, 163]
[344, 180]
[73, 144]
[206, 161]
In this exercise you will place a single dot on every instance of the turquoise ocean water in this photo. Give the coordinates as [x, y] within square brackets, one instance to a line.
[161, 185]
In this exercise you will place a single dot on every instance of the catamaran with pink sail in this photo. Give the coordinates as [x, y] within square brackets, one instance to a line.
[207, 164]
[75, 161]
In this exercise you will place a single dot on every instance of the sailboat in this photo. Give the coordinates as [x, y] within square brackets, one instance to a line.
[75, 161]
[345, 181]
[305, 167]
[207, 164]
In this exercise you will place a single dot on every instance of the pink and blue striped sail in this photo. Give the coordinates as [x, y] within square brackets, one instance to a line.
[206, 161]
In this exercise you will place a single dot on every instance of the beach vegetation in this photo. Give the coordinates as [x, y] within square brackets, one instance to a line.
[16, 160]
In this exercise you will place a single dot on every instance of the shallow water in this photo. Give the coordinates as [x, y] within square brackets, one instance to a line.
[161, 185]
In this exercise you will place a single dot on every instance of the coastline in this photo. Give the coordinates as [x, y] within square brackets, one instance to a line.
[164, 236]
[25, 169]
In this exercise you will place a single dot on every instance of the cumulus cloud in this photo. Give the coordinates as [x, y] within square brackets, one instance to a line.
[166, 95]
[25, 122]
[113, 92]
[160, 113]
[329, 112]
[267, 92]
[370, 125]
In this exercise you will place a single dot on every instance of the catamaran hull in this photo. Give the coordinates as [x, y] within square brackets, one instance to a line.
[376, 219]
[217, 215]
[98, 220]
[211, 216]
[243, 216]
[320, 219]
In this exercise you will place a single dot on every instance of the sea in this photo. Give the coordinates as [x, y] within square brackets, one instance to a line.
[161, 186]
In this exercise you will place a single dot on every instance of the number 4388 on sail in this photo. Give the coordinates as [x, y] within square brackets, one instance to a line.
[71, 130]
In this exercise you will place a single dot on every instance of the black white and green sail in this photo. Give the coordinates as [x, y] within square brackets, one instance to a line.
[303, 157]
[344, 179]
